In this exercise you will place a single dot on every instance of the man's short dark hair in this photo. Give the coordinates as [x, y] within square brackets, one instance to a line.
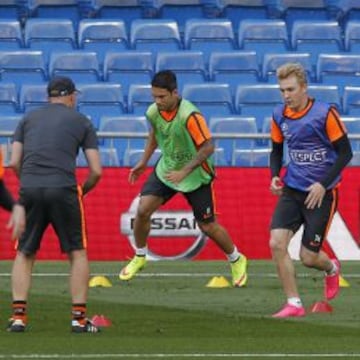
[165, 79]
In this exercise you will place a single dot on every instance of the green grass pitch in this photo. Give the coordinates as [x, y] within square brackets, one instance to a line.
[167, 312]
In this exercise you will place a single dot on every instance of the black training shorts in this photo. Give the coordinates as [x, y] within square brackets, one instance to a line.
[291, 212]
[200, 200]
[60, 207]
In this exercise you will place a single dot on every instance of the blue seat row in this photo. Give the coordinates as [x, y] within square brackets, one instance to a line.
[235, 10]
[132, 67]
[213, 99]
[199, 34]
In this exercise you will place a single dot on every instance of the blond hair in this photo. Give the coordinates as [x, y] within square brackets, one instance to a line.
[288, 69]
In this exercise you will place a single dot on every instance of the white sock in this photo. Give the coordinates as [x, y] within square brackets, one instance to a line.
[333, 270]
[141, 251]
[235, 255]
[295, 301]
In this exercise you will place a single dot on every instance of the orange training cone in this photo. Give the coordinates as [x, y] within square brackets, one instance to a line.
[321, 307]
[101, 321]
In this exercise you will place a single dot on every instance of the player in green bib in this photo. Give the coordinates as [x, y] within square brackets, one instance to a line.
[180, 131]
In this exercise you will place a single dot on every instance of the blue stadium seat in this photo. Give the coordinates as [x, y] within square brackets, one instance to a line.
[257, 100]
[252, 158]
[352, 125]
[208, 35]
[232, 125]
[338, 69]
[263, 36]
[32, 96]
[8, 124]
[182, 10]
[352, 36]
[234, 68]
[351, 101]
[239, 10]
[155, 35]
[189, 66]
[126, 10]
[9, 9]
[326, 93]
[272, 61]
[99, 99]
[66, 9]
[81, 66]
[11, 37]
[49, 35]
[211, 98]
[102, 36]
[139, 98]
[133, 156]
[345, 10]
[108, 157]
[22, 66]
[124, 124]
[128, 67]
[8, 99]
[303, 10]
[219, 157]
[316, 37]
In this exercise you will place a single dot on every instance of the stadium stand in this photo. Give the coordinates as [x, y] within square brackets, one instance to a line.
[189, 66]
[124, 124]
[139, 98]
[257, 100]
[182, 10]
[263, 36]
[340, 69]
[108, 156]
[22, 66]
[99, 99]
[81, 66]
[127, 10]
[351, 101]
[49, 35]
[155, 35]
[326, 93]
[11, 37]
[212, 98]
[352, 36]
[32, 96]
[231, 43]
[239, 10]
[9, 104]
[66, 9]
[316, 37]
[209, 35]
[236, 125]
[128, 67]
[234, 68]
[102, 36]
[272, 61]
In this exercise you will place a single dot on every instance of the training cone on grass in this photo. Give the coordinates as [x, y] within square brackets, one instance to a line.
[100, 281]
[101, 321]
[321, 307]
[343, 283]
[218, 282]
